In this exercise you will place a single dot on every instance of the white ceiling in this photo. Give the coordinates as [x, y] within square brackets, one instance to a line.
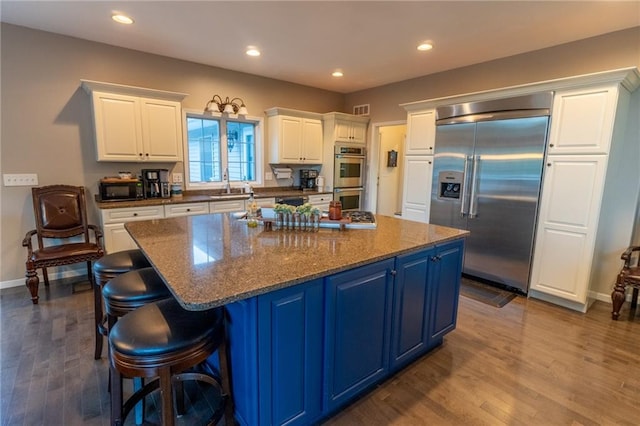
[373, 42]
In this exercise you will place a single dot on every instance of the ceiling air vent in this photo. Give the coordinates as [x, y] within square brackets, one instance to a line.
[361, 109]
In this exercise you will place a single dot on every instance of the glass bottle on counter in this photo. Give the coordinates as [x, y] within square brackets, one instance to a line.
[252, 212]
[335, 210]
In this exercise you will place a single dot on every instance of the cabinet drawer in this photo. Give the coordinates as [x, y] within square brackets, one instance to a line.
[265, 202]
[226, 206]
[129, 214]
[174, 210]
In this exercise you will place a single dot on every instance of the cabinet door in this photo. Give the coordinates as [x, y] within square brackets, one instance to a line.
[265, 202]
[410, 308]
[161, 130]
[569, 210]
[311, 149]
[582, 121]
[358, 314]
[359, 133]
[118, 130]
[290, 355]
[116, 238]
[343, 131]
[289, 140]
[416, 194]
[445, 271]
[421, 133]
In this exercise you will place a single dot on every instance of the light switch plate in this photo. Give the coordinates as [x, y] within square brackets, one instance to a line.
[23, 179]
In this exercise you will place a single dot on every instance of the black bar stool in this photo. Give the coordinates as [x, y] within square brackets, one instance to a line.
[162, 339]
[108, 267]
[127, 292]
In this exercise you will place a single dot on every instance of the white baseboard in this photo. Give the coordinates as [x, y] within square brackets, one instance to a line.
[54, 274]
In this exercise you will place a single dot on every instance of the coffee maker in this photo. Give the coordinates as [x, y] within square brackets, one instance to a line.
[156, 183]
[308, 179]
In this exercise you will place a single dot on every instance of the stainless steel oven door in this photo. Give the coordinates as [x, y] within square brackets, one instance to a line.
[348, 171]
[351, 198]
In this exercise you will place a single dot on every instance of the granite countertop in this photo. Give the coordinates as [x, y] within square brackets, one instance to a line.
[211, 260]
[206, 196]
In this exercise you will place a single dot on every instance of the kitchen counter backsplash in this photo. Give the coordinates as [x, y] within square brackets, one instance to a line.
[200, 196]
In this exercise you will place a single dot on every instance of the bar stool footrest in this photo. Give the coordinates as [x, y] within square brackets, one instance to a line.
[154, 385]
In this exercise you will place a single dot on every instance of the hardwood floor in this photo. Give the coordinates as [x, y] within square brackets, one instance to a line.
[528, 363]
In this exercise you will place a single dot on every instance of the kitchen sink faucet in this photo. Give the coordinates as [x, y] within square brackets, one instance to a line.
[225, 178]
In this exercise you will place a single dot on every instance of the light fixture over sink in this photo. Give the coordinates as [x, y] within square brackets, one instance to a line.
[227, 106]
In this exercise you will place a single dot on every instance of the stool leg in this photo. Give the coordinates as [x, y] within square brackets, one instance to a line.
[97, 309]
[178, 388]
[166, 395]
[116, 396]
[225, 380]
[634, 299]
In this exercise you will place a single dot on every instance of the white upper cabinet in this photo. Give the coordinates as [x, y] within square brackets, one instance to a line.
[583, 120]
[421, 132]
[341, 127]
[294, 139]
[135, 124]
[350, 131]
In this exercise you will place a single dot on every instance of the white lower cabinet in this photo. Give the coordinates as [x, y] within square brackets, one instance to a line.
[416, 194]
[226, 206]
[116, 238]
[265, 202]
[569, 211]
[189, 209]
[321, 201]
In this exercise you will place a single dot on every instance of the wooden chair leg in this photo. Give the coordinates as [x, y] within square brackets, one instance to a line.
[45, 275]
[32, 282]
[617, 297]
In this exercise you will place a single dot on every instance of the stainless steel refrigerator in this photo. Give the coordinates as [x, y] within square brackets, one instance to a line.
[488, 164]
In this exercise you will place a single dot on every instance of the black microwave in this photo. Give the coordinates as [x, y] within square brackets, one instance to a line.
[121, 190]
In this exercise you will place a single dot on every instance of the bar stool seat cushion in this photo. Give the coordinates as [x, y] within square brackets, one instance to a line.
[121, 262]
[168, 328]
[132, 290]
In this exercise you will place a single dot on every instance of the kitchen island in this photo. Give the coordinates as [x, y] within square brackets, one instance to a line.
[315, 318]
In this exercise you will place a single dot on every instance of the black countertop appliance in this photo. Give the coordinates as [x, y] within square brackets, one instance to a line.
[156, 183]
[308, 179]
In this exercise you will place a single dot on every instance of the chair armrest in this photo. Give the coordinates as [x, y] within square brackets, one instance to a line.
[626, 256]
[26, 242]
[98, 234]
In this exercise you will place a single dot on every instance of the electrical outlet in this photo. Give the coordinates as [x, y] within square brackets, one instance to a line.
[268, 176]
[177, 178]
[25, 179]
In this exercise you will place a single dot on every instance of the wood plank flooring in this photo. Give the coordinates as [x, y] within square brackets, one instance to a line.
[528, 363]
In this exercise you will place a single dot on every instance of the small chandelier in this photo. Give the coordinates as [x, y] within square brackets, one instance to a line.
[227, 106]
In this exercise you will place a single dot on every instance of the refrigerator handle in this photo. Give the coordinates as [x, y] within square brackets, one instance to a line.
[472, 200]
[465, 180]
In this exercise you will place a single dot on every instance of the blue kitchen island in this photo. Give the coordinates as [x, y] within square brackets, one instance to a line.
[315, 319]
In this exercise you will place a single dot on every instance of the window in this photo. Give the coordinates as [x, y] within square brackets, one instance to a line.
[215, 145]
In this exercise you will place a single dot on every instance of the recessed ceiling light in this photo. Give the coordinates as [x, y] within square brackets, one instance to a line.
[253, 51]
[337, 74]
[425, 46]
[121, 19]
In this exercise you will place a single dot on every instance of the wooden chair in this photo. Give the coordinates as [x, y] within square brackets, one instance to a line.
[60, 214]
[629, 275]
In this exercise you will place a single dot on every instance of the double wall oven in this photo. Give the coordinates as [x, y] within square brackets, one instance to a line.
[348, 176]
